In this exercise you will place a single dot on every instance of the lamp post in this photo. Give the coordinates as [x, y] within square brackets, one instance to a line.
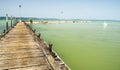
[20, 11]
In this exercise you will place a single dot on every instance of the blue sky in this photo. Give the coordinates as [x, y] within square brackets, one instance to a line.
[65, 9]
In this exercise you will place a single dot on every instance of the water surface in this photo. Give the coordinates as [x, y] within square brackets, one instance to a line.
[3, 24]
[85, 46]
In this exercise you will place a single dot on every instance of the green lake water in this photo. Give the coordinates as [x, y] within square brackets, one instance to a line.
[3, 24]
[85, 46]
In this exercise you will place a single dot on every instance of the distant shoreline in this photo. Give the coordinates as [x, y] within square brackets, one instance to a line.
[66, 21]
[57, 21]
[54, 19]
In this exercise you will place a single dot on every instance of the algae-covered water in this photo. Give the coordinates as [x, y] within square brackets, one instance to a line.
[85, 46]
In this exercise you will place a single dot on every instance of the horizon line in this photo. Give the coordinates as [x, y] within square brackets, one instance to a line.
[63, 18]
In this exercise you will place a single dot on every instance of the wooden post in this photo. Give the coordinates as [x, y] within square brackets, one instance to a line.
[39, 35]
[34, 30]
[15, 21]
[7, 22]
[11, 21]
[4, 31]
[50, 47]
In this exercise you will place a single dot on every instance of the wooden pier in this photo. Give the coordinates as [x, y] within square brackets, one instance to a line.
[21, 49]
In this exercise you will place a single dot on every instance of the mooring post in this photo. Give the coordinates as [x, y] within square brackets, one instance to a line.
[30, 26]
[39, 35]
[7, 22]
[15, 22]
[11, 21]
[34, 30]
[50, 47]
[4, 31]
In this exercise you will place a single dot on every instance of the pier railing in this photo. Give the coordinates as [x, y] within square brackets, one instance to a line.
[8, 26]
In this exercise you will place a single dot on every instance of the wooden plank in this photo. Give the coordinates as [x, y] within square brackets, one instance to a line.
[19, 51]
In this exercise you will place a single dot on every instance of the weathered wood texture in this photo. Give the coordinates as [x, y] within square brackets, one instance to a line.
[19, 51]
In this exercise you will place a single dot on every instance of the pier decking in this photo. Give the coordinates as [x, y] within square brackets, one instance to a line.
[19, 50]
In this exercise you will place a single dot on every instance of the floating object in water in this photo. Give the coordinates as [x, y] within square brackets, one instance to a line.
[105, 24]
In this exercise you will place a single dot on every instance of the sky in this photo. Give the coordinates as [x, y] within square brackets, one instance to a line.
[63, 9]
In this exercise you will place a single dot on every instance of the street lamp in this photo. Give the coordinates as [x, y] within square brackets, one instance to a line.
[20, 11]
